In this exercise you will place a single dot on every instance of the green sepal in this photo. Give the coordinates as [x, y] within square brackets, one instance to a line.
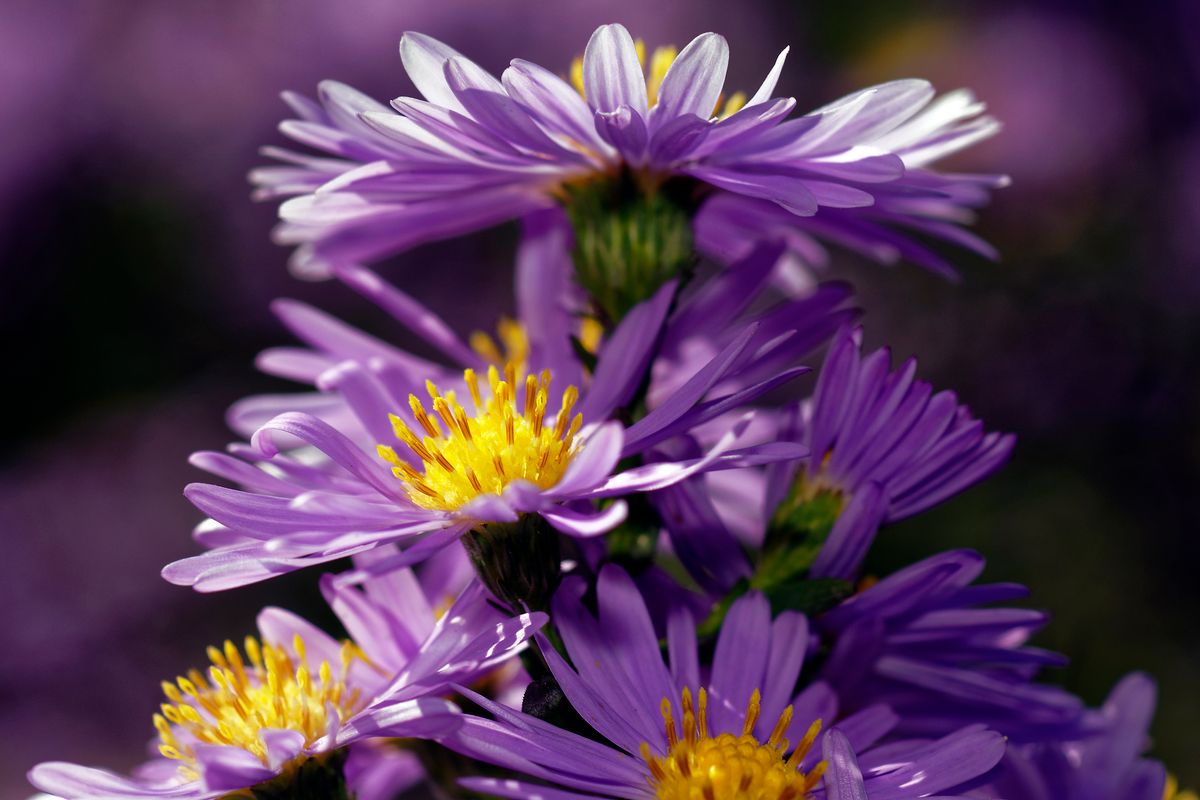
[631, 236]
[809, 597]
[519, 562]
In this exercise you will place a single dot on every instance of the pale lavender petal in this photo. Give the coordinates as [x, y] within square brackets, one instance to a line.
[843, 779]
[612, 74]
[424, 58]
[553, 102]
[594, 462]
[226, 768]
[382, 634]
[425, 717]
[767, 88]
[332, 443]
[945, 764]
[73, 781]
[586, 524]
[694, 80]
[625, 130]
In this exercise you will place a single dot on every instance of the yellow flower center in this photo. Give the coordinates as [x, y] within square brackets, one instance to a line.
[660, 61]
[238, 700]
[728, 767]
[1171, 791]
[507, 438]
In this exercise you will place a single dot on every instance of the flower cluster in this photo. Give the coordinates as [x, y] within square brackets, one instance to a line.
[616, 549]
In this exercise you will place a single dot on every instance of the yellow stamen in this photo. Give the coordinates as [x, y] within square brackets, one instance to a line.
[735, 103]
[1171, 791]
[274, 690]
[513, 347]
[506, 439]
[577, 76]
[660, 62]
[728, 766]
[590, 334]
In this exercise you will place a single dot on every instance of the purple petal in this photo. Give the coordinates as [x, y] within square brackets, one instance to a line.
[424, 59]
[71, 781]
[586, 524]
[553, 102]
[843, 779]
[767, 88]
[739, 662]
[407, 311]
[625, 356]
[694, 80]
[226, 768]
[852, 534]
[334, 444]
[547, 297]
[425, 717]
[612, 74]
[594, 462]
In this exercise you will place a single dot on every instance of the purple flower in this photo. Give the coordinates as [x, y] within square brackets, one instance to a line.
[367, 463]
[478, 151]
[739, 729]
[883, 447]
[287, 700]
[921, 642]
[1105, 766]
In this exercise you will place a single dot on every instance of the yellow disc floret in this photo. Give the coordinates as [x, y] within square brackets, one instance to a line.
[241, 696]
[700, 766]
[508, 438]
[513, 346]
[1171, 791]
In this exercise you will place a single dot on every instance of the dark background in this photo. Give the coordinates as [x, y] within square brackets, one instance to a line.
[135, 275]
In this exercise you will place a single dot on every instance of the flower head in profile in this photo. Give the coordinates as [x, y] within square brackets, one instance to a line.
[737, 730]
[654, 137]
[884, 446]
[931, 645]
[282, 708]
[400, 450]
[1106, 764]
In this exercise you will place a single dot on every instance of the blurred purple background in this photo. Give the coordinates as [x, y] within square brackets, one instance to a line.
[135, 275]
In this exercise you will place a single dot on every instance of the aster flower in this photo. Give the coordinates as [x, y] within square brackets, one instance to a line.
[519, 453]
[922, 642]
[284, 707]
[1104, 766]
[477, 151]
[884, 446]
[737, 730]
